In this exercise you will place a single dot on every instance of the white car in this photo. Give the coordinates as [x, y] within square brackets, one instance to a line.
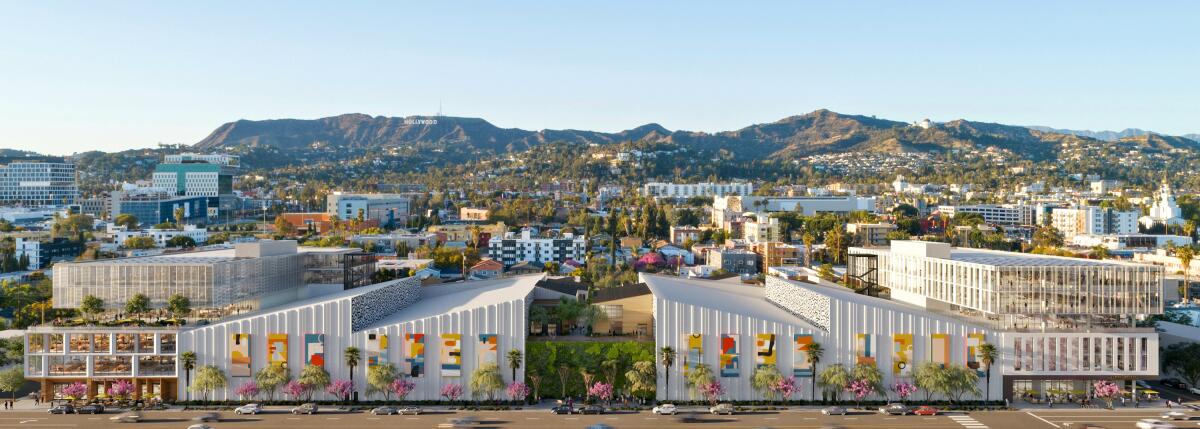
[1175, 415]
[200, 426]
[131, 417]
[248, 409]
[1154, 424]
[665, 409]
[1195, 390]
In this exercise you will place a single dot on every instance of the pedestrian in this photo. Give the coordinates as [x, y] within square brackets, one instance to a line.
[1168, 404]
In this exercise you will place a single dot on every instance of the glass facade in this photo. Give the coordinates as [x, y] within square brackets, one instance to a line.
[142, 352]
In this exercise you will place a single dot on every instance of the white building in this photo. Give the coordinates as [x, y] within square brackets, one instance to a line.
[383, 207]
[1164, 211]
[993, 214]
[513, 248]
[688, 190]
[37, 182]
[1131, 241]
[1093, 220]
[728, 207]
[120, 233]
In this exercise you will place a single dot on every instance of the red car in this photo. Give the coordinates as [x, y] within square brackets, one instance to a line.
[925, 410]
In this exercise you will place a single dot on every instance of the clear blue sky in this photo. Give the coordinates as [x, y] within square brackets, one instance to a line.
[116, 75]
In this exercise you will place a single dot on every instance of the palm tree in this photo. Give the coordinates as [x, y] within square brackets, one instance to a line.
[1185, 255]
[352, 356]
[835, 378]
[987, 356]
[514, 362]
[813, 356]
[188, 359]
[808, 243]
[666, 356]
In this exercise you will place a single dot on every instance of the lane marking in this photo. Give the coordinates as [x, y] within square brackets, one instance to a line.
[1040, 418]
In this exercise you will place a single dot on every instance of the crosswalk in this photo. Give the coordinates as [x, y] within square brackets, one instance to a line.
[968, 422]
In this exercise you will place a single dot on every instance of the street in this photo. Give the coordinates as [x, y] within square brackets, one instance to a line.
[798, 418]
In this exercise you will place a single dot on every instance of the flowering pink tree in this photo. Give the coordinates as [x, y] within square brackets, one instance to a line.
[339, 388]
[712, 391]
[602, 391]
[861, 389]
[402, 387]
[904, 390]
[295, 389]
[1106, 390]
[247, 391]
[785, 387]
[75, 390]
[121, 389]
[517, 391]
[452, 391]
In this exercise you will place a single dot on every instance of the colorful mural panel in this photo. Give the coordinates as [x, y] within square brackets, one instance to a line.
[974, 356]
[939, 349]
[800, 365]
[695, 351]
[414, 354]
[764, 346]
[902, 354]
[377, 345]
[451, 355]
[730, 361]
[864, 349]
[314, 349]
[488, 349]
[239, 355]
[277, 349]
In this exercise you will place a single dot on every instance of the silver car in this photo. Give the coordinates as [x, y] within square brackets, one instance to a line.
[834, 411]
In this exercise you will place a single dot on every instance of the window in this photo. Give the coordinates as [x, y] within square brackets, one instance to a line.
[56, 343]
[33, 365]
[112, 365]
[167, 343]
[68, 365]
[145, 343]
[156, 365]
[125, 343]
[101, 343]
[37, 343]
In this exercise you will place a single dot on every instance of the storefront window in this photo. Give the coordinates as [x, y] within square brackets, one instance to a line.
[125, 343]
[112, 365]
[156, 365]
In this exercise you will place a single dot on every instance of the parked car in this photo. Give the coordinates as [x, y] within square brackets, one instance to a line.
[834, 411]
[592, 409]
[62, 409]
[91, 409]
[925, 410]
[306, 408]
[1174, 383]
[132, 417]
[895, 409]
[1195, 390]
[1154, 424]
[562, 409]
[208, 417]
[248, 409]
[722, 409]
[385, 410]
[411, 409]
[200, 426]
[665, 409]
[1175, 415]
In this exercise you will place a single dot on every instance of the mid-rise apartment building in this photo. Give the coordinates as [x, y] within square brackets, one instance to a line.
[514, 248]
[688, 190]
[996, 214]
[1093, 220]
[37, 182]
[199, 175]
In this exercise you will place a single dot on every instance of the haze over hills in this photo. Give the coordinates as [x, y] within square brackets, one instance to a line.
[818, 132]
[1107, 135]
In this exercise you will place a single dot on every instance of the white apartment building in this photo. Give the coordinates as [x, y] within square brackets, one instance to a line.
[1093, 220]
[37, 183]
[384, 207]
[761, 228]
[525, 247]
[688, 190]
[160, 236]
[729, 207]
[994, 214]
[1131, 241]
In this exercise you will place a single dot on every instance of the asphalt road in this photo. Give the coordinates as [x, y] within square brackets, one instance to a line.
[1041, 419]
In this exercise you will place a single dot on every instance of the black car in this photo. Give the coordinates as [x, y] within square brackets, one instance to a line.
[562, 409]
[1173, 383]
[91, 409]
[62, 409]
[592, 409]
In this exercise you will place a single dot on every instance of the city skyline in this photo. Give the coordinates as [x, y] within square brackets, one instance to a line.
[82, 77]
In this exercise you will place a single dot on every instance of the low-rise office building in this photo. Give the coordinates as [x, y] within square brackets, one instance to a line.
[385, 208]
[42, 253]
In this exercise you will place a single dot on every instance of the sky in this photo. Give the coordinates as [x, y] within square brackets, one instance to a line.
[79, 76]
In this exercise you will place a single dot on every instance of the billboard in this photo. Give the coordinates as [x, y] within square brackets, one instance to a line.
[377, 345]
[277, 349]
[864, 349]
[902, 354]
[488, 349]
[451, 355]
[695, 351]
[939, 349]
[314, 349]
[729, 355]
[800, 365]
[974, 356]
[239, 355]
[764, 349]
[414, 354]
